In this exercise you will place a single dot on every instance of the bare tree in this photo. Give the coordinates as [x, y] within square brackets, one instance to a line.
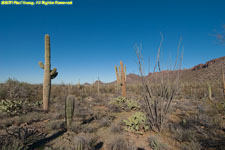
[160, 89]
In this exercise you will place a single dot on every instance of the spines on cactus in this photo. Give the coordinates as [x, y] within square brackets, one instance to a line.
[48, 74]
[69, 110]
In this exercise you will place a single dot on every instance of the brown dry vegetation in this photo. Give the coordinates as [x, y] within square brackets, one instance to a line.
[195, 122]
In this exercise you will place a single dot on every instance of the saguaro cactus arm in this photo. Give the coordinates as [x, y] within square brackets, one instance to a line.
[42, 66]
[117, 75]
[121, 77]
[53, 73]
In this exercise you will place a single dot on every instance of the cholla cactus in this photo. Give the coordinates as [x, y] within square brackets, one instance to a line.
[69, 109]
[121, 77]
[48, 74]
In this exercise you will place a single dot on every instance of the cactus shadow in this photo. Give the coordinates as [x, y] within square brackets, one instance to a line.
[98, 146]
[42, 142]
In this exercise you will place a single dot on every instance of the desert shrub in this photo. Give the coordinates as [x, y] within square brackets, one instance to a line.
[184, 135]
[187, 137]
[118, 143]
[89, 129]
[20, 138]
[91, 140]
[76, 127]
[5, 123]
[18, 90]
[209, 116]
[156, 144]
[54, 125]
[28, 118]
[136, 123]
[192, 145]
[105, 122]
[3, 92]
[115, 129]
[125, 103]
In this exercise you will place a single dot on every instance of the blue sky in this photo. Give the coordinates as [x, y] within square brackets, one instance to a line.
[90, 37]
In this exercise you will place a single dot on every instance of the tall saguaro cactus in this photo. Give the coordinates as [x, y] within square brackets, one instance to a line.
[121, 77]
[48, 73]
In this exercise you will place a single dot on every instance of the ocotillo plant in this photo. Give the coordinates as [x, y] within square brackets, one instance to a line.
[69, 110]
[121, 77]
[48, 73]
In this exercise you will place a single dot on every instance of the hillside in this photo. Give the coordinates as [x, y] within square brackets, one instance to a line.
[209, 71]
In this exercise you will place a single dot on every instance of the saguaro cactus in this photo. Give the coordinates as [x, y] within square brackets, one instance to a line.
[210, 91]
[223, 78]
[98, 85]
[121, 77]
[79, 143]
[69, 109]
[48, 74]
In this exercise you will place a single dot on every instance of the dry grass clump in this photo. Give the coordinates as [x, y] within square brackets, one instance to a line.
[156, 144]
[118, 143]
[20, 138]
[55, 125]
[28, 118]
[116, 128]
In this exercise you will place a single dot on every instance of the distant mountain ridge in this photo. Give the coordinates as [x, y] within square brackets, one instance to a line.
[209, 71]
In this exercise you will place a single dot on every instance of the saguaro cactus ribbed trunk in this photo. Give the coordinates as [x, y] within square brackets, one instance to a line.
[121, 78]
[48, 73]
[69, 109]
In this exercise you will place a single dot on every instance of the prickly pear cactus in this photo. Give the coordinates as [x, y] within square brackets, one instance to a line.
[69, 109]
[48, 73]
[136, 123]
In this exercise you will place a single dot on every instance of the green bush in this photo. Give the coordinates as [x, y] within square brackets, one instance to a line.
[11, 106]
[156, 144]
[136, 123]
[125, 103]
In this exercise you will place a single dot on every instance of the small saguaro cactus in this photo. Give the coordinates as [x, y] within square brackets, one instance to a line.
[69, 110]
[121, 77]
[210, 91]
[79, 143]
[48, 73]
[98, 85]
[223, 78]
